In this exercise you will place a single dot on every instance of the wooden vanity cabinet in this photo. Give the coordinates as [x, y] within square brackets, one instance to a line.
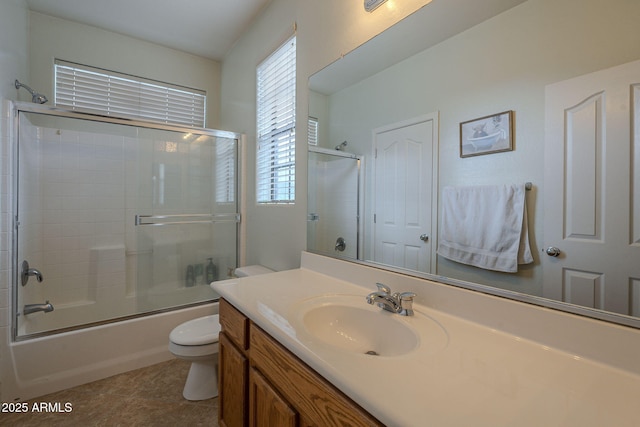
[264, 384]
[233, 367]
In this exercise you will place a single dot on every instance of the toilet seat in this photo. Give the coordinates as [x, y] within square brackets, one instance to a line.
[193, 352]
[196, 332]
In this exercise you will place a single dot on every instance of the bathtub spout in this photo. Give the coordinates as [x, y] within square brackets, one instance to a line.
[33, 308]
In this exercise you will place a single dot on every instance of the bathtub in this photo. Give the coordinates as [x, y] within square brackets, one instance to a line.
[40, 366]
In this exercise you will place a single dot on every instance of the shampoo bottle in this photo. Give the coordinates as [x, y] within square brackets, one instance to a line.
[191, 278]
[211, 271]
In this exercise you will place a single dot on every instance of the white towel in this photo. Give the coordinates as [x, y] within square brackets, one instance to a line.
[485, 226]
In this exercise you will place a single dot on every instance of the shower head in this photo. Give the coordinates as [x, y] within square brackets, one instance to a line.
[341, 146]
[36, 97]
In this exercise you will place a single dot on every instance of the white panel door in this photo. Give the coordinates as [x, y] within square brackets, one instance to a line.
[404, 208]
[592, 187]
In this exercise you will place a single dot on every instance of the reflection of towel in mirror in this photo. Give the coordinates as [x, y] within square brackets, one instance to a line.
[485, 226]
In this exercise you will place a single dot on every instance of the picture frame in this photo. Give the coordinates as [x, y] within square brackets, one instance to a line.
[487, 135]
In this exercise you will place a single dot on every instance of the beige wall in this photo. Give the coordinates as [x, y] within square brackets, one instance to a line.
[52, 38]
[14, 40]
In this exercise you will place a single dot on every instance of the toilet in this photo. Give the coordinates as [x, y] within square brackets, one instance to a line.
[197, 341]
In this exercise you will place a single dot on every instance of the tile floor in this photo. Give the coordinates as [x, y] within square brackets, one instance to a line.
[150, 396]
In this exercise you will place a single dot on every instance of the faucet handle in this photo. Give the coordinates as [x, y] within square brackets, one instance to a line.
[406, 303]
[383, 288]
[407, 296]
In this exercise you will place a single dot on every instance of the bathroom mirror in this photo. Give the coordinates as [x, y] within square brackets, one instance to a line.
[437, 71]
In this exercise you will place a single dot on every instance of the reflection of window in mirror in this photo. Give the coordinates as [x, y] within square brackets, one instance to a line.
[313, 131]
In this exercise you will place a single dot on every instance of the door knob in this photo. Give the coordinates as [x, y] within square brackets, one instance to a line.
[424, 237]
[552, 251]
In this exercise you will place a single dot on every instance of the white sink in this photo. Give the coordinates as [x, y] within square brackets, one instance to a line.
[347, 323]
[359, 330]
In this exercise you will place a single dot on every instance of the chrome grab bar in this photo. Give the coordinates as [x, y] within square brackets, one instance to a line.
[186, 219]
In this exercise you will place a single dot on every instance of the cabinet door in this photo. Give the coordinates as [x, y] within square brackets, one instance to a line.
[232, 376]
[267, 407]
[315, 399]
[234, 324]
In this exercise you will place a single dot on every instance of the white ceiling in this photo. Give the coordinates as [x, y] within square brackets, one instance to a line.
[206, 28]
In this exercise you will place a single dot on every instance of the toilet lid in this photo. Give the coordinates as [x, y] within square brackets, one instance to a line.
[200, 331]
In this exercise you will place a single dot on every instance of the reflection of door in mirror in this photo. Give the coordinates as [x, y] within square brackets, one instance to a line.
[591, 210]
[403, 207]
[333, 203]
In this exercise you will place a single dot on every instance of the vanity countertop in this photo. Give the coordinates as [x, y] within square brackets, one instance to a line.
[471, 375]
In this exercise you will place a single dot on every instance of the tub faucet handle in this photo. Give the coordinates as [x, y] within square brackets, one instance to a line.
[27, 271]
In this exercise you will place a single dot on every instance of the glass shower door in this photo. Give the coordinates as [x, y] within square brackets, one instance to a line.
[30, 252]
[186, 217]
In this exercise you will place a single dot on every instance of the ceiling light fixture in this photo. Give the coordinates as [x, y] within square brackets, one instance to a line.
[371, 5]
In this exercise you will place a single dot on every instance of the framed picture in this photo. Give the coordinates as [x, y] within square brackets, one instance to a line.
[487, 135]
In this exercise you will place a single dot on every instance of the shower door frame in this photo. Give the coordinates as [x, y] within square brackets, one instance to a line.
[24, 107]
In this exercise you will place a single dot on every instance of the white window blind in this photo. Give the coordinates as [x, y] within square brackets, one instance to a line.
[313, 131]
[276, 121]
[98, 91]
[225, 170]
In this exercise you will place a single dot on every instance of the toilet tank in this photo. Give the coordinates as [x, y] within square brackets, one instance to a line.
[252, 270]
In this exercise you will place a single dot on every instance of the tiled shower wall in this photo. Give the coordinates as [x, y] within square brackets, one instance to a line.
[72, 222]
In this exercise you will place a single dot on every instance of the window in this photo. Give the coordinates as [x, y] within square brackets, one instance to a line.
[94, 90]
[225, 155]
[276, 121]
[313, 131]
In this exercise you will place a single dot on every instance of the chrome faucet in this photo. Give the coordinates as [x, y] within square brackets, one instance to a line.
[400, 303]
[33, 308]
